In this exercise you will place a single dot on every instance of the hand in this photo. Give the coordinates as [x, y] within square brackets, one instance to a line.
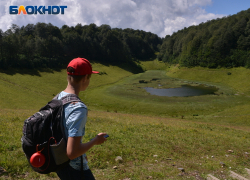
[99, 139]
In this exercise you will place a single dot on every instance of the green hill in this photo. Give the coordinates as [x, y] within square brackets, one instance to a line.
[154, 135]
[30, 89]
[222, 42]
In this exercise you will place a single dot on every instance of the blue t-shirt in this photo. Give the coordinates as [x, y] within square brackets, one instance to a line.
[74, 120]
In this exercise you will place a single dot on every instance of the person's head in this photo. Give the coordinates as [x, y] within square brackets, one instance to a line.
[79, 71]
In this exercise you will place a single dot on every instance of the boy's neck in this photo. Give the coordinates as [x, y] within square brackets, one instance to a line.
[72, 90]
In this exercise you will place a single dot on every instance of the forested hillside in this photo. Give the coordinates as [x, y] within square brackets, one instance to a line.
[45, 45]
[223, 42]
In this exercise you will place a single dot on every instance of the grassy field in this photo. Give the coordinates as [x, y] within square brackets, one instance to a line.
[155, 136]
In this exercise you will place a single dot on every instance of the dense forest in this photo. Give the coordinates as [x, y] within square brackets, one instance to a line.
[44, 45]
[223, 42]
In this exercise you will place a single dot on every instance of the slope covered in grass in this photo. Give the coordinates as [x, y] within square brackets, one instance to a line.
[154, 135]
[236, 78]
[31, 90]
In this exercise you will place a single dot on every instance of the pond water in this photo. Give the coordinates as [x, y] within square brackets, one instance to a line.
[183, 91]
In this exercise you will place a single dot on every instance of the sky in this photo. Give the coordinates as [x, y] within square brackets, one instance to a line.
[161, 17]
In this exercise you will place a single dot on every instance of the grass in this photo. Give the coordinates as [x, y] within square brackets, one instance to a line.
[238, 78]
[154, 135]
[127, 96]
[20, 90]
[199, 148]
[153, 65]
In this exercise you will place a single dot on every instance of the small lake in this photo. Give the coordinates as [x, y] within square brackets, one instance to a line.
[183, 91]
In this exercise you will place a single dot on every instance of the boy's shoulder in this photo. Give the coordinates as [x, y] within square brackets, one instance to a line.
[73, 105]
[76, 105]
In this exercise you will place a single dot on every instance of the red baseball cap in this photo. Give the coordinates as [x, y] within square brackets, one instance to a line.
[81, 66]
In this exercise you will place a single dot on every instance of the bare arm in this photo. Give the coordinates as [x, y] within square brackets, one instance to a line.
[75, 148]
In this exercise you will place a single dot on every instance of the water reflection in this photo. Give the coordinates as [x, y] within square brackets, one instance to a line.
[183, 91]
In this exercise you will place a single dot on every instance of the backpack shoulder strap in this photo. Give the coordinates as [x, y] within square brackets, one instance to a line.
[65, 100]
[56, 97]
[68, 98]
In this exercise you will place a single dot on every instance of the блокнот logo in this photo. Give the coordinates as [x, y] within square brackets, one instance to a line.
[37, 10]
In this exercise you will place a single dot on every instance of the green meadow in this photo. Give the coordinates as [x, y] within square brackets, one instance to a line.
[157, 137]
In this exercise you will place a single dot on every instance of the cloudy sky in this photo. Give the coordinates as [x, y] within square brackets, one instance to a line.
[162, 17]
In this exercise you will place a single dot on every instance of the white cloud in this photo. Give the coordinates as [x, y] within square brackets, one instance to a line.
[157, 16]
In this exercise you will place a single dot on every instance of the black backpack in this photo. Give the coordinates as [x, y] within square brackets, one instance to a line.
[43, 135]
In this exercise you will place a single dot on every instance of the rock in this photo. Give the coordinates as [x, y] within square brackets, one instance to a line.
[119, 159]
[2, 170]
[155, 156]
[154, 79]
[182, 169]
[149, 177]
[231, 151]
[115, 167]
[142, 81]
[222, 164]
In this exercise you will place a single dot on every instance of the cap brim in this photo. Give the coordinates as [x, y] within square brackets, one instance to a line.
[95, 72]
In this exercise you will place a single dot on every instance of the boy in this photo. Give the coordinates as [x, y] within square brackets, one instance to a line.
[79, 71]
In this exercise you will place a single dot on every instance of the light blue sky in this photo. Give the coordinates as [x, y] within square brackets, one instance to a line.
[227, 7]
